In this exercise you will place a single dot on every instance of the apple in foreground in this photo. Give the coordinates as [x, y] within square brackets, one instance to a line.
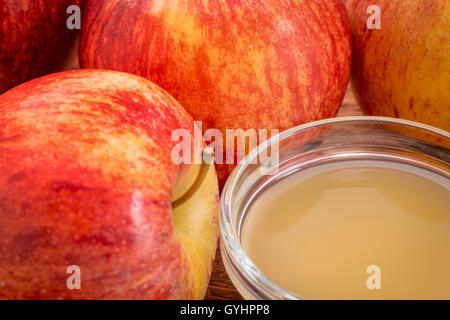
[403, 69]
[88, 181]
[34, 39]
[232, 64]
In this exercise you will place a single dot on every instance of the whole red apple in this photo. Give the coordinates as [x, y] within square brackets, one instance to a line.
[232, 64]
[87, 184]
[402, 66]
[34, 39]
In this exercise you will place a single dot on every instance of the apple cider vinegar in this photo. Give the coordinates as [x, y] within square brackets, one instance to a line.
[354, 230]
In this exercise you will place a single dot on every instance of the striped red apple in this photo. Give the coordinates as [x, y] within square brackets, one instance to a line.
[87, 180]
[232, 63]
[34, 39]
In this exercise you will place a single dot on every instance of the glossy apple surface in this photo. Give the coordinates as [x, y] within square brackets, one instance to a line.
[233, 63]
[87, 180]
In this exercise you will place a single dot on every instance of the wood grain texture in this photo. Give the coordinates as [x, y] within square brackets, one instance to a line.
[220, 286]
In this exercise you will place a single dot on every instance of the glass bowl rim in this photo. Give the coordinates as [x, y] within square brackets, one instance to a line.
[232, 245]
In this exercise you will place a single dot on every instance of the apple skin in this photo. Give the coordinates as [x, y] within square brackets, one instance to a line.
[87, 180]
[232, 64]
[403, 69]
[34, 39]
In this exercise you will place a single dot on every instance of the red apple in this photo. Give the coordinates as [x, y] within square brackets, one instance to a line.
[34, 39]
[232, 64]
[402, 69]
[87, 180]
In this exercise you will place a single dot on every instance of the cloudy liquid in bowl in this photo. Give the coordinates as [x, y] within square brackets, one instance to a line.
[354, 230]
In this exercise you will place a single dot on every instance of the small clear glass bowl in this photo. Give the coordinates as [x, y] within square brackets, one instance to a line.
[308, 145]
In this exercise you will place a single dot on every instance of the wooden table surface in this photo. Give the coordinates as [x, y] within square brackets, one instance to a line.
[220, 286]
